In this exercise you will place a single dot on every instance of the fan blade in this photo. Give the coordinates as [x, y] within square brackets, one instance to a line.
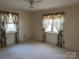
[37, 1]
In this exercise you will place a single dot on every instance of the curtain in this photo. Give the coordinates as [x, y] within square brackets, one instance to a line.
[16, 23]
[1, 45]
[3, 22]
[54, 21]
[58, 23]
[5, 18]
[46, 21]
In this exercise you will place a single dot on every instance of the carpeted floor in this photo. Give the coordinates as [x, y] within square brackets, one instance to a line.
[34, 50]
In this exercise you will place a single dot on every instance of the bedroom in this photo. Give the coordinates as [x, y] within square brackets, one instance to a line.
[31, 25]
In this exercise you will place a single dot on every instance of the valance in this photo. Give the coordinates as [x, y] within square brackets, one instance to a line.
[9, 12]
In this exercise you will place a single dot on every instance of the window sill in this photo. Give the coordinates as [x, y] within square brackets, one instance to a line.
[10, 32]
[51, 32]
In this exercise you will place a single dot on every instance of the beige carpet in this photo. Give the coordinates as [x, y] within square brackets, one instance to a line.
[34, 50]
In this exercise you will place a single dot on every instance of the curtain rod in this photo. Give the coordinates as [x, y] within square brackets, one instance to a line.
[8, 12]
[53, 13]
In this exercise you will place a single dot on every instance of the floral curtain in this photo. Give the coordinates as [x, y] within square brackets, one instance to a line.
[46, 21]
[16, 23]
[3, 22]
[56, 22]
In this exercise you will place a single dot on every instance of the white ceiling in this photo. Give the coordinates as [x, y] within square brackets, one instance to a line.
[44, 4]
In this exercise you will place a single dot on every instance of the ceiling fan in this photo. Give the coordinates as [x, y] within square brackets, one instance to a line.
[32, 3]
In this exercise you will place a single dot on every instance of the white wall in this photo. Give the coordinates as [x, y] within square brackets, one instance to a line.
[24, 23]
[25, 27]
[71, 29]
[36, 23]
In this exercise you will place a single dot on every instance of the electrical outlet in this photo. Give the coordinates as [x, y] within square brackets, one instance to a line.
[25, 37]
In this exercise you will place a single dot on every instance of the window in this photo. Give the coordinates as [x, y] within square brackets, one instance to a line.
[53, 23]
[11, 27]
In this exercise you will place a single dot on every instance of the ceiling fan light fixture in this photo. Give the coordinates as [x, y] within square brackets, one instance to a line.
[32, 2]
